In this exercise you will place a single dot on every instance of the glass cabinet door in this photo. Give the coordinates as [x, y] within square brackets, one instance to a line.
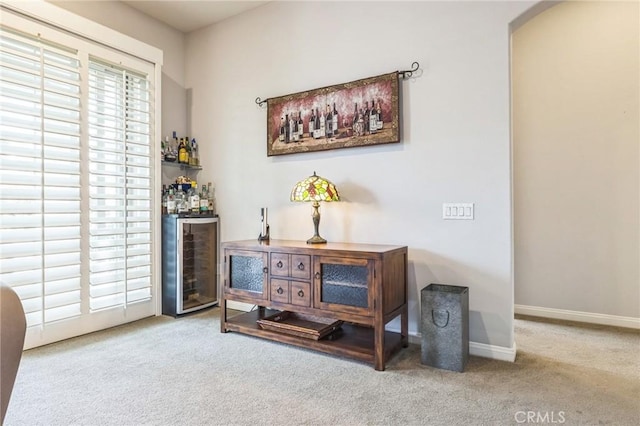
[247, 273]
[344, 284]
[198, 257]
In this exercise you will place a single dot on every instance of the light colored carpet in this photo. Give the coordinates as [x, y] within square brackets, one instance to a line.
[165, 371]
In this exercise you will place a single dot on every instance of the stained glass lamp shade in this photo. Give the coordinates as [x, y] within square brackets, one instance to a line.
[315, 189]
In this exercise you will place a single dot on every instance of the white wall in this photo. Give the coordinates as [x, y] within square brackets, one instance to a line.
[577, 160]
[455, 135]
[129, 21]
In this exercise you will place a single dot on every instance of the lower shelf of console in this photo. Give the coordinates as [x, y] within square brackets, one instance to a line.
[355, 341]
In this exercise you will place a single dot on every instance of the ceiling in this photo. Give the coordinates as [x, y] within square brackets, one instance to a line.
[190, 15]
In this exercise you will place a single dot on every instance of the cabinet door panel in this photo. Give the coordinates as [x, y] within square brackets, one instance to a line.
[344, 285]
[247, 273]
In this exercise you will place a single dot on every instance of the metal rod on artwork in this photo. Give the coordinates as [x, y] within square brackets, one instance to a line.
[408, 73]
[403, 74]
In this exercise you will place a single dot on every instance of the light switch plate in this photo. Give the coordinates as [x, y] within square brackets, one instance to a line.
[457, 211]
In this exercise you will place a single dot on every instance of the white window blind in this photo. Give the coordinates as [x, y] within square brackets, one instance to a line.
[40, 176]
[76, 183]
[120, 186]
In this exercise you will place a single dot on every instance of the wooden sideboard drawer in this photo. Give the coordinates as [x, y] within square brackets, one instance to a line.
[279, 291]
[280, 264]
[300, 293]
[301, 266]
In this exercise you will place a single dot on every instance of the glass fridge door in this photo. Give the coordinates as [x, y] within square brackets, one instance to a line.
[198, 286]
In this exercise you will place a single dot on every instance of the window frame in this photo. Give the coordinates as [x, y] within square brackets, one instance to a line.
[53, 23]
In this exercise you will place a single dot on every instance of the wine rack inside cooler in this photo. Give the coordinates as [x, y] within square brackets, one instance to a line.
[189, 263]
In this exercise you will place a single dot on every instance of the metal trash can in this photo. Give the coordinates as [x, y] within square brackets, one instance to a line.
[445, 326]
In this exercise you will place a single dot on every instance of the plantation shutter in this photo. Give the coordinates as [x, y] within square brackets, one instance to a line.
[120, 186]
[78, 217]
[40, 235]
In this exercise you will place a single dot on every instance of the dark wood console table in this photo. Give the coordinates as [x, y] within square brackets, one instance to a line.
[362, 285]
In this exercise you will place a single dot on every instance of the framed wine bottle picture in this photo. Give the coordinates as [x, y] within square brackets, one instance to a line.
[359, 113]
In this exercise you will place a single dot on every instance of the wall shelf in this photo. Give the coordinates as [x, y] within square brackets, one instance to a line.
[182, 166]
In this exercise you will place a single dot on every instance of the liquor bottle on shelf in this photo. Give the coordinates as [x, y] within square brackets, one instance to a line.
[300, 126]
[164, 199]
[373, 119]
[188, 145]
[181, 201]
[312, 122]
[171, 202]
[204, 200]
[336, 123]
[194, 158]
[169, 150]
[194, 198]
[212, 198]
[183, 156]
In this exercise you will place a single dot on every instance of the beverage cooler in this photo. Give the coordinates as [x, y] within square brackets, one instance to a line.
[189, 263]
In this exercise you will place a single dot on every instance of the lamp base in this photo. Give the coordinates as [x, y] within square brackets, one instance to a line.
[316, 239]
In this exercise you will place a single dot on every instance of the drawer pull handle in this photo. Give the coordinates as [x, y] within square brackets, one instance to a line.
[265, 269]
[317, 275]
[279, 264]
[301, 266]
[279, 290]
[301, 293]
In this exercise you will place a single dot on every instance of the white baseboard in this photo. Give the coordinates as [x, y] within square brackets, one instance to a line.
[239, 306]
[499, 353]
[588, 317]
[483, 350]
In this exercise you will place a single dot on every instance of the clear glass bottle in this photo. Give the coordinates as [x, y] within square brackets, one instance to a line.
[194, 198]
[194, 158]
[181, 201]
[171, 202]
[204, 200]
[212, 198]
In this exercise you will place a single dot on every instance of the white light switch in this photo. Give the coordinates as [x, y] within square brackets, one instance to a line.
[460, 211]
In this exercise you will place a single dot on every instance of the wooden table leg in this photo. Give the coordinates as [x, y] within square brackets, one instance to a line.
[378, 341]
[404, 326]
[223, 315]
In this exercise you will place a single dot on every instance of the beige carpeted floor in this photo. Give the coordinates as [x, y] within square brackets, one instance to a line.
[165, 371]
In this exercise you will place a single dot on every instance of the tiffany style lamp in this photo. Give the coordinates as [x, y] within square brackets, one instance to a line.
[315, 189]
